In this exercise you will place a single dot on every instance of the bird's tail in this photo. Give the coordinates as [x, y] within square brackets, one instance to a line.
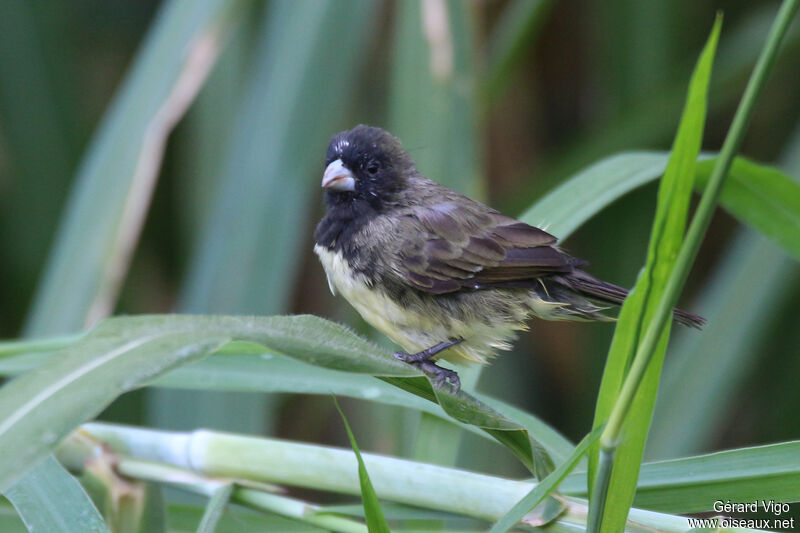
[602, 291]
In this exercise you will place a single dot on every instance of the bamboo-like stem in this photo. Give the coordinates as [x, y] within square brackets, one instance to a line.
[216, 458]
[80, 447]
[686, 256]
[256, 499]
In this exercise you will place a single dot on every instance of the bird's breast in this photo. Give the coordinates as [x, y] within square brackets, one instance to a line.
[370, 301]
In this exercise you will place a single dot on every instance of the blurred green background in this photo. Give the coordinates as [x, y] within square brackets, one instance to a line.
[501, 100]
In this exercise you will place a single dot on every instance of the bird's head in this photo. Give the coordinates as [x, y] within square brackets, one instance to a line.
[365, 165]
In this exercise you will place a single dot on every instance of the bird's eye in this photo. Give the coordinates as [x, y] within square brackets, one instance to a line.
[373, 168]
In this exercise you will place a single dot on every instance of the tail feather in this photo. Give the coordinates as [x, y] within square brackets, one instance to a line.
[591, 287]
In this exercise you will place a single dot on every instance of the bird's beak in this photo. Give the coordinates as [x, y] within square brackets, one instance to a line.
[338, 177]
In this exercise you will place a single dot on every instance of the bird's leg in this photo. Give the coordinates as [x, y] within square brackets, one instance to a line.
[423, 361]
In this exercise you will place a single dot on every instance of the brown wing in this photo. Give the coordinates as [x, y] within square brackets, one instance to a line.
[472, 247]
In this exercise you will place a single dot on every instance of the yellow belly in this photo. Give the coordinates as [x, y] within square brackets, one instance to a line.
[412, 330]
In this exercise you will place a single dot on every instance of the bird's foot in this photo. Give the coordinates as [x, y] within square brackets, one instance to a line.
[423, 361]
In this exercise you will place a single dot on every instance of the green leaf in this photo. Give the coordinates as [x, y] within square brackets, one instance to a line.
[215, 508]
[49, 499]
[763, 197]
[546, 486]
[246, 367]
[123, 353]
[693, 484]
[609, 510]
[376, 523]
[42, 406]
[760, 196]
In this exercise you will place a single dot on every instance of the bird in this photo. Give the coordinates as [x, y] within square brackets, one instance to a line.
[444, 276]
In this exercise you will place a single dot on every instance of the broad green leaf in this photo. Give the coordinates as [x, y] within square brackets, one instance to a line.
[767, 200]
[215, 508]
[41, 407]
[49, 499]
[244, 367]
[127, 352]
[693, 484]
[546, 486]
[773, 208]
[611, 509]
[372, 507]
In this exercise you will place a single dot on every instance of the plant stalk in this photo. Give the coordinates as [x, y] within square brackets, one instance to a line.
[215, 458]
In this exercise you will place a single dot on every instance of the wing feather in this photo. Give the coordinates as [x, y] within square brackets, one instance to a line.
[471, 247]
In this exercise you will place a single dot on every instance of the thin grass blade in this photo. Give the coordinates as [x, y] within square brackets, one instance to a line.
[215, 508]
[546, 486]
[376, 523]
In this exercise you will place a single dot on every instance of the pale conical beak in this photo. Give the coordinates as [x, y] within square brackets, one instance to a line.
[338, 177]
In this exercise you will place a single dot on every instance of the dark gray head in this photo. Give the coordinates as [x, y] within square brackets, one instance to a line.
[366, 166]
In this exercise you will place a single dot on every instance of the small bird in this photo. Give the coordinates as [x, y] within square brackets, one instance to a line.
[443, 276]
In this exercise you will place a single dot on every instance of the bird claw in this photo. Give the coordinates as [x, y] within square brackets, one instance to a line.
[441, 376]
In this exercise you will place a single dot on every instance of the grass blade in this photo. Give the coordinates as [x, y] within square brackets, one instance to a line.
[376, 523]
[215, 508]
[767, 200]
[693, 484]
[612, 490]
[546, 486]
